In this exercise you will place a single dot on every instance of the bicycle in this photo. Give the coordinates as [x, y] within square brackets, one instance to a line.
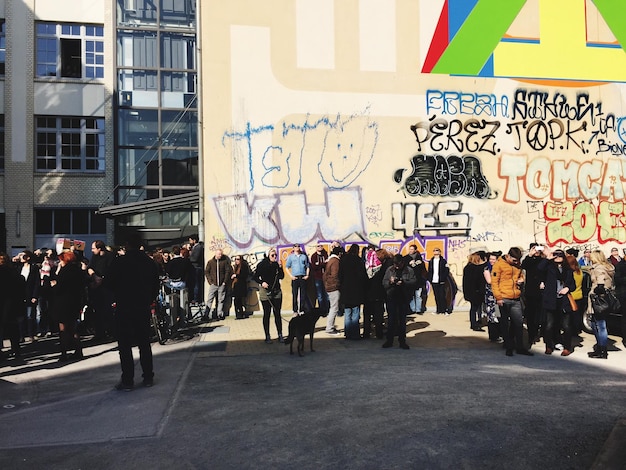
[172, 311]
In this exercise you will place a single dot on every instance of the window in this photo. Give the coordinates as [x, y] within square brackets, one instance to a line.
[3, 45]
[69, 143]
[70, 222]
[77, 224]
[1, 142]
[70, 50]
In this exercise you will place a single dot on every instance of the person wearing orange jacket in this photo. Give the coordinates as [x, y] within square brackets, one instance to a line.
[506, 282]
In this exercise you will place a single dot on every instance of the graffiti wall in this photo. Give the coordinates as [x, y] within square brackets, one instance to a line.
[453, 123]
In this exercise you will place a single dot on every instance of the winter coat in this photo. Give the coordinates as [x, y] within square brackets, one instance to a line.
[504, 277]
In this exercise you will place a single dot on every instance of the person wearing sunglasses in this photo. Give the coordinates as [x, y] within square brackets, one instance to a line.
[268, 274]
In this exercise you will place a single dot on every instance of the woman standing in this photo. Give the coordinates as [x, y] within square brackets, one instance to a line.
[577, 295]
[559, 282]
[67, 288]
[602, 273]
[268, 274]
[474, 288]
[241, 270]
[493, 325]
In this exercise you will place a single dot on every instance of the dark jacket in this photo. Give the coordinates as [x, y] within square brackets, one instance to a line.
[375, 289]
[331, 274]
[218, 272]
[534, 277]
[444, 270]
[619, 280]
[474, 283]
[12, 301]
[416, 263]
[352, 280]
[240, 282]
[180, 268]
[399, 292]
[270, 272]
[550, 300]
[68, 293]
[134, 280]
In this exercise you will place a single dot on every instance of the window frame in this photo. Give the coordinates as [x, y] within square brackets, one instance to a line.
[54, 44]
[56, 141]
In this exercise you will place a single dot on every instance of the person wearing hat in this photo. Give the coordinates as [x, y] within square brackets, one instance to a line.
[298, 267]
[557, 284]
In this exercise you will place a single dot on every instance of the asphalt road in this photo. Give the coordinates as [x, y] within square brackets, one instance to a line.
[224, 399]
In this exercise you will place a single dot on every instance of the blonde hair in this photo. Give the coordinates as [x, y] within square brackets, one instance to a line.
[597, 257]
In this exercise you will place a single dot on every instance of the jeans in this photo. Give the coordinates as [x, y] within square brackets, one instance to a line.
[134, 329]
[511, 320]
[416, 304]
[268, 306]
[533, 313]
[555, 321]
[351, 322]
[396, 320]
[298, 291]
[333, 298]
[322, 296]
[474, 314]
[198, 286]
[220, 293]
[373, 312]
[439, 290]
[600, 331]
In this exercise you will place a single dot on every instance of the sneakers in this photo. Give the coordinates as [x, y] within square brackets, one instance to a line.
[404, 346]
[387, 344]
[148, 382]
[558, 347]
[332, 332]
[268, 341]
[121, 386]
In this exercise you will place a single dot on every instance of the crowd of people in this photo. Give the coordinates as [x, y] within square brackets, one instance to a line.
[548, 290]
[343, 281]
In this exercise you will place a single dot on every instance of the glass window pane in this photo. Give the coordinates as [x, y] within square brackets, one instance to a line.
[138, 128]
[62, 221]
[43, 221]
[80, 221]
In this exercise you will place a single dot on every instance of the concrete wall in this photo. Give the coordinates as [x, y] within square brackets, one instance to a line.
[402, 120]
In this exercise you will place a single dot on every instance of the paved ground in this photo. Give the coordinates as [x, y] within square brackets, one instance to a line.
[225, 399]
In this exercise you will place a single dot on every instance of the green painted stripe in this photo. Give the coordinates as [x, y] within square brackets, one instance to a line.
[478, 37]
[614, 12]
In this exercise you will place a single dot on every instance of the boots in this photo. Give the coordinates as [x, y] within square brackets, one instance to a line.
[599, 353]
[78, 350]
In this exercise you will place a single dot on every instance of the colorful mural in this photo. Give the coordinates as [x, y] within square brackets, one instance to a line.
[451, 123]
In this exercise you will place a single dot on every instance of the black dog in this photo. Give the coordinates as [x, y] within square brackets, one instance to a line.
[300, 326]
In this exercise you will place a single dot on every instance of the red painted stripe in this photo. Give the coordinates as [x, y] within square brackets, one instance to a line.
[440, 41]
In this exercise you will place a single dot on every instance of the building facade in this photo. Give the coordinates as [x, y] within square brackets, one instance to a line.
[98, 111]
[458, 124]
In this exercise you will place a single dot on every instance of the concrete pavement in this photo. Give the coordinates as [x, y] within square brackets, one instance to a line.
[223, 398]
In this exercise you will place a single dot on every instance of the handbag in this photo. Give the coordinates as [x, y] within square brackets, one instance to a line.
[572, 303]
[604, 303]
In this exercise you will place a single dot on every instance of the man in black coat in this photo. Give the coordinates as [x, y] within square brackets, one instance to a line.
[438, 272]
[134, 280]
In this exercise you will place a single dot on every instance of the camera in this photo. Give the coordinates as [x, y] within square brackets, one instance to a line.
[539, 248]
